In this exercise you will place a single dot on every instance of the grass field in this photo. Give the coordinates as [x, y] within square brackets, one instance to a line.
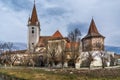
[59, 74]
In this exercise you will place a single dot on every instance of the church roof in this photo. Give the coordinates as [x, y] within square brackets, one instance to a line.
[43, 40]
[72, 44]
[34, 18]
[93, 32]
[57, 34]
[93, 28]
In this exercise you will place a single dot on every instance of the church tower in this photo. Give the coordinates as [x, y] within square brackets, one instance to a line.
[93, 41]
[33, 29]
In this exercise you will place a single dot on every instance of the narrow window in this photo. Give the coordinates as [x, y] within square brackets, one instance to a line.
[32, 31]
[32, 27]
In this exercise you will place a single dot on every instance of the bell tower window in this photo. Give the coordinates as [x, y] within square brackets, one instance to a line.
[32, 29]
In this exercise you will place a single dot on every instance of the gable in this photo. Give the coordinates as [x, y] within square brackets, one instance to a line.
[57, 34]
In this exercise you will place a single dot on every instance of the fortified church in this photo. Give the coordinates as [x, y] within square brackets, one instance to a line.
[59, 51]
[93, 41]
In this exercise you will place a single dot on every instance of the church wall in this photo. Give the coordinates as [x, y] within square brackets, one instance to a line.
[97, 61]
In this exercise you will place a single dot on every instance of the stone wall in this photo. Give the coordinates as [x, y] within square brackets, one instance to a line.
[97, 62]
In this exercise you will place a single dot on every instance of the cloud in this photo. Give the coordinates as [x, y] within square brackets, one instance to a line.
[13, 24]
[57, 11]
[17, 5]
[83, 27]
[63, 15]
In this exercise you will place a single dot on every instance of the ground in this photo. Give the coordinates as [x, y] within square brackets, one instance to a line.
[61, 74]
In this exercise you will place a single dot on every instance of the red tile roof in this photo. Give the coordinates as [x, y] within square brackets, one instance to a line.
[57, 34]
[34, 17]
[72, 44]
[43, 40]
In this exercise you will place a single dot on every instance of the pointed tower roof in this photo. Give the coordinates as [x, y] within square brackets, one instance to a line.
[57, 34]
[34, 17]
[93, 28]
[93, 32]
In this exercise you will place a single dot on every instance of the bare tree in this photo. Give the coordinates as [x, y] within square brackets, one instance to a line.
[45, 56]
[104, 58]
[1, 47]
[9, 46]
[6, 48]
[74, 37]
[52, 48]
[63, 55]
[90, 58]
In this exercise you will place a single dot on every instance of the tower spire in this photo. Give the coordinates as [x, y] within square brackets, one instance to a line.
[93, 28]
[34, 18]
[93, 32]
[34, 1]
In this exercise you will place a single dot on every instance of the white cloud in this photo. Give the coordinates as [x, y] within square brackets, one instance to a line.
[13, 25]
[57, 15]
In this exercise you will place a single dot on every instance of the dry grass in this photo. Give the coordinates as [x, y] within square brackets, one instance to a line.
[39, 74]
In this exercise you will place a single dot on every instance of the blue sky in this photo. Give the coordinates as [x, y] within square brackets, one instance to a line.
[62, 15]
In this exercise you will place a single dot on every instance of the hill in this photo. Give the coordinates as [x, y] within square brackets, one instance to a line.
[113, 49]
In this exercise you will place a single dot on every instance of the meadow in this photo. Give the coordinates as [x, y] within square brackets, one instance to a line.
[61, 74]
